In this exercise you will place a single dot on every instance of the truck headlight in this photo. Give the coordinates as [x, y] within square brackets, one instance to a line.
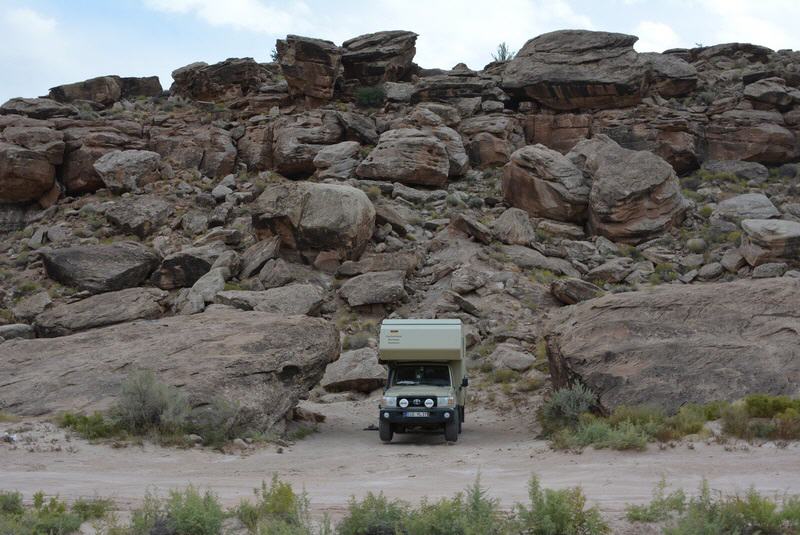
[389, 401]
[404, 403]
[446, 401]
[429, 403]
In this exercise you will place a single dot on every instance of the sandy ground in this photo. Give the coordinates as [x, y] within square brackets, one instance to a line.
[343, 459]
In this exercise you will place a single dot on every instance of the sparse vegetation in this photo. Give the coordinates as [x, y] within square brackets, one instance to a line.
[47, 516]
[503, 53]
[764, 417]
[709, 512]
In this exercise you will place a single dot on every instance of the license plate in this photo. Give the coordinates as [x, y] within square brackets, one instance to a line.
[416, 414]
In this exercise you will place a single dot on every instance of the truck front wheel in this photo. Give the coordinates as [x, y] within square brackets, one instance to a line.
[385, 431]
[451, 429]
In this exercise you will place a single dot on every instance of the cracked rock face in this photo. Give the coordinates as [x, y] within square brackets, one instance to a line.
[263, 362]
[681, 344]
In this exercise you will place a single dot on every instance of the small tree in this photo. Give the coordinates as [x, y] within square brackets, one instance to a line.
[503, 53]
[274, 54]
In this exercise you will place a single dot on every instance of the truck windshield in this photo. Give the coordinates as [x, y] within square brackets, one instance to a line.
[422, 375]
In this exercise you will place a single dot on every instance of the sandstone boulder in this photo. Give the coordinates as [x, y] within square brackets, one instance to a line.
[379, 57]
[635, 195]
[258, 254]
[25, 175]
[772, 91]
[262, 362]
[128, 170]
[678, 344]
[100, 310]
[546, 184]
[100, 268]
[140, 215]
[227, 79]
[106, 90]
[408, 156]
[298, 139]
[766, 240]
[572, 69]
[356, 370]
[514, 227]
[511, 357]
[753, 135]
[37, 108]
[287, 300]
[316, 217]
[744, 170]
[42, 139]
[407, 261]
[183, 268]
[570, 291]
[491, 139]
[207, 148]
[746, 206]
[309, 65]
[379, 287]
[528, 258]
[337, 161]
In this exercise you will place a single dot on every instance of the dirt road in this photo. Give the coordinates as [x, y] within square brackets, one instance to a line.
[343, 459]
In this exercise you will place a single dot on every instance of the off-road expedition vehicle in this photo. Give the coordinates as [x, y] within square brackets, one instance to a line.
[427, 377]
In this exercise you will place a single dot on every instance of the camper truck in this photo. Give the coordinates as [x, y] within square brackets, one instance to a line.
[426, 388]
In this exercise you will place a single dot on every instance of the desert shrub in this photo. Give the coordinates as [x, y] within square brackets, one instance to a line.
[763, 416]
[660, 508]
[551, 512]
[276, 505]
[735, 420]
[217, 422]
[370, 97]
[374, 515]
[145, 404]
[503, 53]
[91, 427]
[374, 192]
[665, 272]
[565, 407]
[150, 514]
[766, 406]
[89, 509]
[10, 503]
[192, 513]
[356, 340]
[472, 512]
[505, 375]
[601, 434]
[706, 211]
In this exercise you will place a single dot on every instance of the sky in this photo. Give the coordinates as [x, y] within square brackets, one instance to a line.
[44, 43]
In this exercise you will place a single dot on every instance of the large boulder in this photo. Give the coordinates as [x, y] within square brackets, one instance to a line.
[678, 344]
[772, 91]
[100, 268]
[37, 108]
[378, 287]
[185, 267]
[572, 69]
[315, 217]
[746, 206]
[299, 138]
[227, 79]
[337, 161]
[491, 139]
[309, 65]
[140, 215]
[288, 300]
[514, 227]
[546, 184]
[25, 175]
[408, 156]
[357, 370]
[100, 310]
[128, 170]
[263, 363]
[106, 90]
[753, 135]
[207, 148]
[570, 291]
[38, 137]
[379, 57]
[635, 195]
[768, 240]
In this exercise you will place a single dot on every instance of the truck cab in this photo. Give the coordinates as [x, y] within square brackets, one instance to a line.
[426, 387]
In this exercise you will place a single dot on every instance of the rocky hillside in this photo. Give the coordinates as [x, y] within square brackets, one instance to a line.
[193, 231]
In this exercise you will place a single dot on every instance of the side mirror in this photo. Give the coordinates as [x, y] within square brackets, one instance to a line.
[465, 382]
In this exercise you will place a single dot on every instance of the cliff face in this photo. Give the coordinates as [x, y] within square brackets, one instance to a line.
[348, 182]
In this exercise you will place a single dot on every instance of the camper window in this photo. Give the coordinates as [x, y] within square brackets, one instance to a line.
[422, 374]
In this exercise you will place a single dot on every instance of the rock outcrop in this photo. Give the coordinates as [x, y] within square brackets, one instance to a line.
[769, 240]
[309, 65]
[100, 268]
[106, 90]
[379, 57]
[408, 156]
[356, 370]
[678, 344]
[262, 362]
[227, 79]
[312, 217]
[129, 170]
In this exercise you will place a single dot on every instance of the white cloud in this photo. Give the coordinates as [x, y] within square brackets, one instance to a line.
[655, 37]
[770, 23]
[250, 15]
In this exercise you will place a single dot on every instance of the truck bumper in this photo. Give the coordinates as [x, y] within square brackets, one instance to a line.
[434, 416]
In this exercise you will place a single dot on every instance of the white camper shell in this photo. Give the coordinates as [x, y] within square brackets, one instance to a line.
[419, 347]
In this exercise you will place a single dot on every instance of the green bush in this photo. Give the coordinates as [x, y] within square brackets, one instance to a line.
[277, 505]
[565, 407]
[192, 513]
[89, 509]
[370, 97]
[217, 422]
[92, 427]
[660, 508]
[553, 512]
[10, 503]
[763, 416]
[374, 515]
[468, 513]
[145, 405]
[766, 406]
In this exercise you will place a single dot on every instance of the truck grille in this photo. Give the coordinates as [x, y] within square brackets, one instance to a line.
[417, 402]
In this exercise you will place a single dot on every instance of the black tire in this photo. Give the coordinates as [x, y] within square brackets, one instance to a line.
[385, 431]
[451, 429]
